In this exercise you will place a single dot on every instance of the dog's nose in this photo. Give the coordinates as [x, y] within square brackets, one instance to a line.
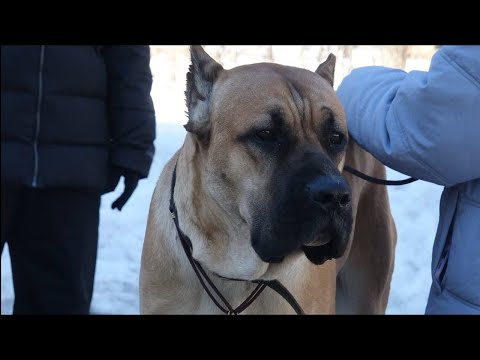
[329, 192]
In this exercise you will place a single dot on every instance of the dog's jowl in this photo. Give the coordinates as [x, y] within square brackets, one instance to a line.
[260, 193]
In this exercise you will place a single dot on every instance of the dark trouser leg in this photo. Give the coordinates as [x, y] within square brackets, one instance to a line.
[11, 199]
[54, 252]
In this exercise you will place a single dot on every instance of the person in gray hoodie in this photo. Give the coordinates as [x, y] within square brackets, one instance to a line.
[426, 124]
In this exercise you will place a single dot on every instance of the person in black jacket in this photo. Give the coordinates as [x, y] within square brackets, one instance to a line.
[74, 120]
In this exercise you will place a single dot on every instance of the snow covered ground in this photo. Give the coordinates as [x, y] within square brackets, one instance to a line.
[414, 206]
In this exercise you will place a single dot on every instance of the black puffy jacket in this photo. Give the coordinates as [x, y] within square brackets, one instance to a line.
[70, 114]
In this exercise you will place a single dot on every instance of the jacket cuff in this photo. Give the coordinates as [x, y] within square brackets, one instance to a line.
[133, 159]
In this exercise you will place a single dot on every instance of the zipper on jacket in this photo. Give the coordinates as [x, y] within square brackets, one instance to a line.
[37, 124]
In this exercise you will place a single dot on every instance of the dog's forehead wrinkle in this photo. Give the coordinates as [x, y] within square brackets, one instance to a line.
[257, 91]
[307, 93]
[297, 98]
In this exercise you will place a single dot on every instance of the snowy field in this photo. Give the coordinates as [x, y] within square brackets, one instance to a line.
[414, 206]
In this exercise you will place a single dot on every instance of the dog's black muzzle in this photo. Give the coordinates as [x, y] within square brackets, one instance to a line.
[313, 213]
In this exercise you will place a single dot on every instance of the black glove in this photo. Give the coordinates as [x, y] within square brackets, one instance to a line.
[130, 179]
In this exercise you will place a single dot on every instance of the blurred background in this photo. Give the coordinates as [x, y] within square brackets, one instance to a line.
[414, 206]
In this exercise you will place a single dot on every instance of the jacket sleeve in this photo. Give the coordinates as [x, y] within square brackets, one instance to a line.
[424, 124]
[130, 106]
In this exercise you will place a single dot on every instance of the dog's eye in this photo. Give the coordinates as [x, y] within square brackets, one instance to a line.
[266, 135]
[335, 139]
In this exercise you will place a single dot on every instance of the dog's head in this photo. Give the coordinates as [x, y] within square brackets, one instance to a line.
[274, 138]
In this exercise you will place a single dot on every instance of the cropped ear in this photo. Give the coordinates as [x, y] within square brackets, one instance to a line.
[202, 74]
[327, 69]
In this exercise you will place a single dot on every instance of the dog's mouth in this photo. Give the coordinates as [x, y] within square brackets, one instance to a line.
[325, 247]
[319, 250]
[318, 254]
